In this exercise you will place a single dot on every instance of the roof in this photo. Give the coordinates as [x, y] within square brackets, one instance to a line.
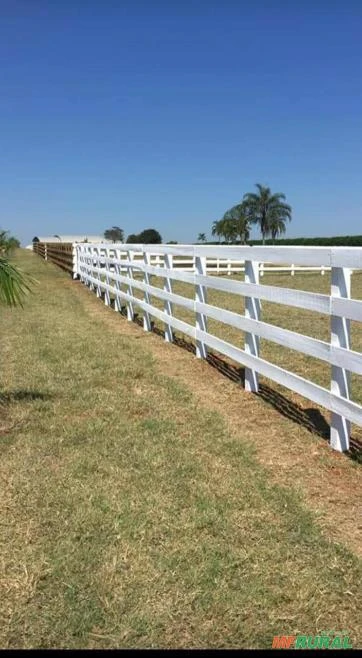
[70, 238]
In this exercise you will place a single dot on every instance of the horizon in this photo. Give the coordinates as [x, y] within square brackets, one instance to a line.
[164, 116]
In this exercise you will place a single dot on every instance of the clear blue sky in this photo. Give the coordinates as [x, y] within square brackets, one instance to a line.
[162, 114]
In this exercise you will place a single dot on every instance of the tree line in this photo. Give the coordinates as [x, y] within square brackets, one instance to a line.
[148, 236]
[334, 241]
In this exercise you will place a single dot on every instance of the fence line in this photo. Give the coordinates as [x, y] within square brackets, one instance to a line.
[115, 271]
[64, 255]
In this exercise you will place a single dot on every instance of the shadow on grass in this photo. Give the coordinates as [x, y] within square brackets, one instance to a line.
[312, 419]
[8, 397]
[7, 423]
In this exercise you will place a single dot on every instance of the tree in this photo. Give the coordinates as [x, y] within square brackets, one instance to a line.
[224, 228]
[7, 242]
[216, 229]
[14, 284]
[115, 234]
[236, 220]
[277, 227]
[133, 239]
[150, 236]
[201, 237]
[263, 208]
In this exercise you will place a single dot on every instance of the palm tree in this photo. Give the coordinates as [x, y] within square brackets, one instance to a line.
[238, 216]
[224, 228]
[277, 227]
[14, 284]
[216, 229]
[263, 208]
[201, 237]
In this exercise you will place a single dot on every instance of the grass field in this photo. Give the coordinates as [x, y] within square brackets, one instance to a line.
[148, 501]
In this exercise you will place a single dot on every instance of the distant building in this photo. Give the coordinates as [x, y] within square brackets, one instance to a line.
[71, 238]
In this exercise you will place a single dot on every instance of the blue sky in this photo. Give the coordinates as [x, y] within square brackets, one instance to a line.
[162, 114]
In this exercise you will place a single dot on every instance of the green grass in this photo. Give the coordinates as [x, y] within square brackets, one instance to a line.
[131, 516]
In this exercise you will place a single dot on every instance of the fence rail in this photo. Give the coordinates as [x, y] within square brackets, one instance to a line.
[63, 255]
[116, 271]
[107, 269]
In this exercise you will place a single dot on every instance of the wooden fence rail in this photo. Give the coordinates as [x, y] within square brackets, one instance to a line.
[61, 254]
[64, 255]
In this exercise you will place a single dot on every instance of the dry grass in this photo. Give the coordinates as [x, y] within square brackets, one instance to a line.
[136, 512]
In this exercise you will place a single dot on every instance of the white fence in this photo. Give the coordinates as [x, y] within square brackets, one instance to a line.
[218, 265]
[106, 268]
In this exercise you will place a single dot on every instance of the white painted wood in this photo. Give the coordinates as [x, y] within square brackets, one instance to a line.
[328, 256]
[340, 381]
[200, 296]
[288, 379]
[289, 339]
[146, 315]
[345, 358]
[130, 309]
[96, 263]
[157, 292]
[107, 295]
[350, 257]
[98, 287]
[168, 260]
[176, 275]
[298, 298]
[75, 262]
[346, 409]
[117, 270]
[347, 308]
[252, 311]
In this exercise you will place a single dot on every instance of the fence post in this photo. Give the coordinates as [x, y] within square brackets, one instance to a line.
[107, 296]
[168, 263]
[117, 285]
[146, 279]
[340, 380]
[252, 310]
[292, 270]
[45, 251]
[261, 269]
[130, 310]
[98, 265]
[75, 273]
[200, 296]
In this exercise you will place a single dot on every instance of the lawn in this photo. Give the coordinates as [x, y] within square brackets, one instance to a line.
[136, 514]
